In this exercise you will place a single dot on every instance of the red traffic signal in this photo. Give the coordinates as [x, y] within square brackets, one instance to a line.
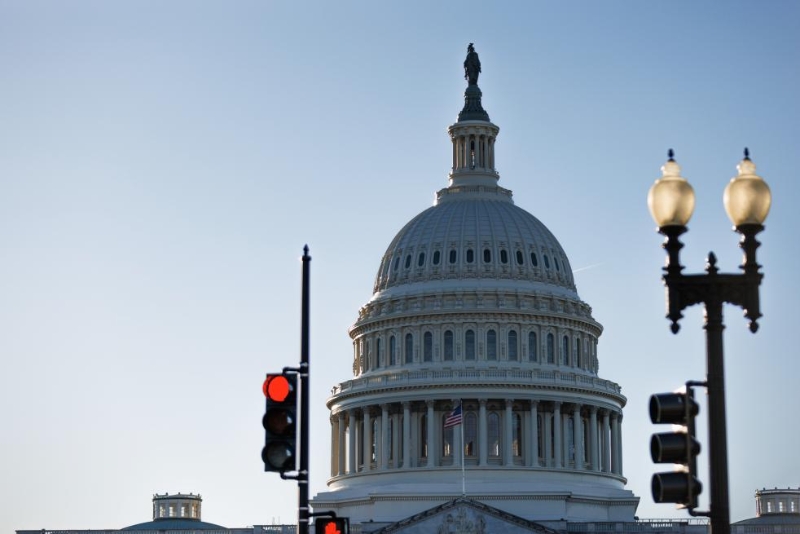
[335, 525]
[280, 422]
[277, 388]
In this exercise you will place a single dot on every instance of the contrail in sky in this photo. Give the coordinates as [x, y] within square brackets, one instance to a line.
[587, 267]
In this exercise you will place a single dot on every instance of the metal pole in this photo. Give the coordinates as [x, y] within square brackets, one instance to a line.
[303, 474]
[717, 431]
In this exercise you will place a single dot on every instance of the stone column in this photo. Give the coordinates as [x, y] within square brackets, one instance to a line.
[433, 453]
[619, 444]
[385, 437]
[606, 441]
[508, 419]
[455, 154]
[351, 441]
[564, 440]
[482, 430]
[341, 451]
[395, 440]
[577, 438]
[594, 458]
[406, 435]
[548, 441]
[334, 445]
[367, 439]
[614, 443]
[558, 447]
[534, 433]
[526, 440]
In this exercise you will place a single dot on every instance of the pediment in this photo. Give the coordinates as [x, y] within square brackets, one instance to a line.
[464, 516]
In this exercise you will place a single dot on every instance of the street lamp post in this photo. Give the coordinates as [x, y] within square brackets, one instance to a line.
[747, 201]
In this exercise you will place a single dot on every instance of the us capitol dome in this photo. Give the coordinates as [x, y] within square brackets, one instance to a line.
[475, 370]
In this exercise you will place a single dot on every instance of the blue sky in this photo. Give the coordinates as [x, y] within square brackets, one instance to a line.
[162, 165]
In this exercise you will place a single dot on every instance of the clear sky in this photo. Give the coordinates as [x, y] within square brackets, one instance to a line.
[162, 165]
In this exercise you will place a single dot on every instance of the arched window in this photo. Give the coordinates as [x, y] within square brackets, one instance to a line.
[436, 257]
[408, 261]
[453, 256]
[533, 349]
[396, 263]
[491, 345]
[448, 345]
[551, 348]
[409, 348]
[534, 259]
[469, 345]
[516, 433]
[586, 354]
[565, 349]
[503, 256]
[546, 261]
[423, 436]
[392, 351]
[379, 353]
[470, 434]
[493, 423]
[512, 345]
[427, 347]
[520, 257]
[577, 350]
[447, 438]
[555, 259]
[470, 255]
[487, 255]
[421, 259]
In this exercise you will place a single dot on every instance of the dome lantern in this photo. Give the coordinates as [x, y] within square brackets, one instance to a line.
[473, 135]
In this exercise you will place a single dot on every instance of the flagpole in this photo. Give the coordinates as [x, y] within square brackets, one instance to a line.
[463, 461]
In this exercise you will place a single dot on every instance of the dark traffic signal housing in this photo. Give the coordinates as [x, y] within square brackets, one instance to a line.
[280, 422]
[681, 487]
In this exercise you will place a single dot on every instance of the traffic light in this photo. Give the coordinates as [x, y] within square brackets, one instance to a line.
[332, 525]
[280, 422]
[680, 447]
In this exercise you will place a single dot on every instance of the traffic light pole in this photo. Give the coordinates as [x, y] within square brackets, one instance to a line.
[713, 289]
[303, 473]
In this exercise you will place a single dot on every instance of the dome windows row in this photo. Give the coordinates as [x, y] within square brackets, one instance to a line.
[436, 258]
[410, 265]
[489, 345]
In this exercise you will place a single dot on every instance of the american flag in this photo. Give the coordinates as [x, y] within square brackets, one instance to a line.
[454, 418]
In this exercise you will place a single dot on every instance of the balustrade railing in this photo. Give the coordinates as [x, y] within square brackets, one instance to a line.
[477, 375]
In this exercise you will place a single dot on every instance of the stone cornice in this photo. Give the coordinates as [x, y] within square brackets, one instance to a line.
[442, 381]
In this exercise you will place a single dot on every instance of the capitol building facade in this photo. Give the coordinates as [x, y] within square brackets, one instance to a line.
[475, 314]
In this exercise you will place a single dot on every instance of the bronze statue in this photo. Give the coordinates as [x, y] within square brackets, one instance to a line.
[472, 66]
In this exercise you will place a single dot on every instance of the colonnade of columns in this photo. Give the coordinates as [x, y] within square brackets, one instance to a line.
[471, 151]
[536, 433]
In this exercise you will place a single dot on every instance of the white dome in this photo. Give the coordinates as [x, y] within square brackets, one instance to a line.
[474, 232]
